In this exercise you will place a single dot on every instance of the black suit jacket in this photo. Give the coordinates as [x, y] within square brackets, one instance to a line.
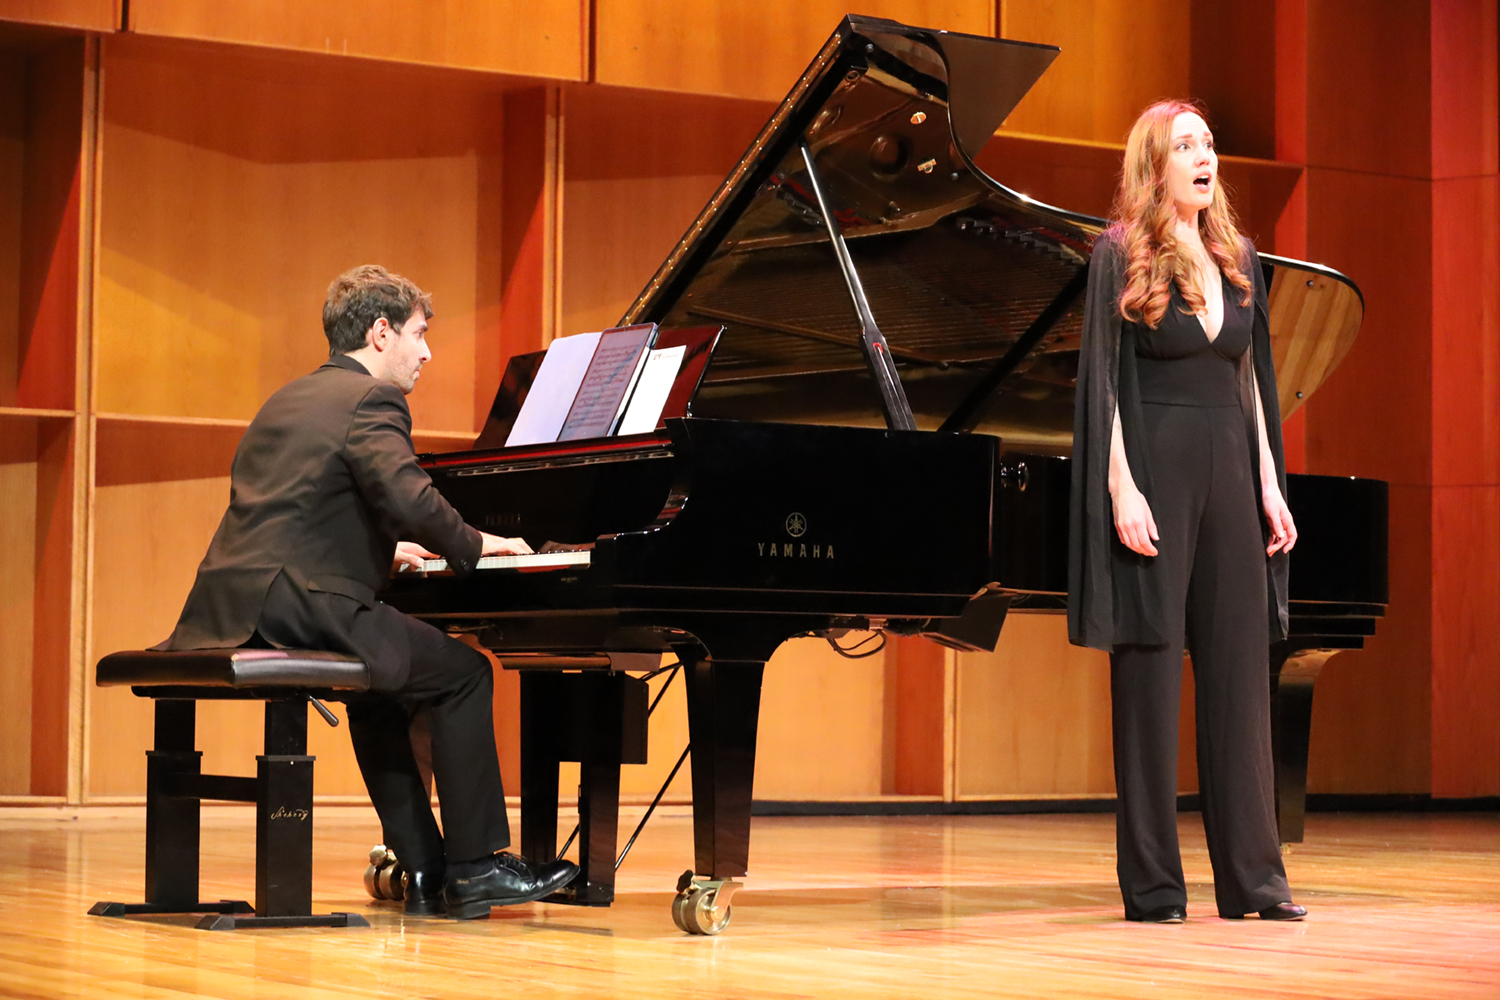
[324, 483]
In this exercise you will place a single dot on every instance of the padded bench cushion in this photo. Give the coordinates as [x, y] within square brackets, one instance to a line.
[235, 668]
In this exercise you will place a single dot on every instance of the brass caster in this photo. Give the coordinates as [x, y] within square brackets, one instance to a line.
[385, 878]
[702, 906]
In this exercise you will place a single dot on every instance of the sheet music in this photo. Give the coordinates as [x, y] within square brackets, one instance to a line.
[652, 389]
[611, 377]
[553, 390]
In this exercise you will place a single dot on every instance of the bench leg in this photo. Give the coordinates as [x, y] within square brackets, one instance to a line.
[283, 815]
[283, 830]
[172, 827]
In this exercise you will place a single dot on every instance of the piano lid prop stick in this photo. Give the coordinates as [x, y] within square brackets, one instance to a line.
[898, 415]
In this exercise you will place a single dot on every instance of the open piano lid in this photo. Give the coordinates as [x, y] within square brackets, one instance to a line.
[977, 289]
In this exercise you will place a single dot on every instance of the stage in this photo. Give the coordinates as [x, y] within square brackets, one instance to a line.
[1401, 906]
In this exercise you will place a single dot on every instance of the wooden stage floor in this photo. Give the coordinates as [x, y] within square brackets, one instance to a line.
[1401, 906]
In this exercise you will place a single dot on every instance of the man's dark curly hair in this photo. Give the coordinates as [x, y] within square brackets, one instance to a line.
[357, 298]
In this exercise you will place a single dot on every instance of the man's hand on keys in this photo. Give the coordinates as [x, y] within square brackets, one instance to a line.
[494, 545]
[409, 556]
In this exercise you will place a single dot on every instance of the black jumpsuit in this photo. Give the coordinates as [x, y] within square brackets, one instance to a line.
[1212, 564]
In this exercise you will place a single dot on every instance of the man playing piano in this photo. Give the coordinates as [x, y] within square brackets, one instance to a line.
[323, 484]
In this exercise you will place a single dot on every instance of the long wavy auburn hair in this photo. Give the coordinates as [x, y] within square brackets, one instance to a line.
[1145, 218]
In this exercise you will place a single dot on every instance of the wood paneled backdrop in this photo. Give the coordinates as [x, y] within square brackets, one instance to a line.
[176, 192]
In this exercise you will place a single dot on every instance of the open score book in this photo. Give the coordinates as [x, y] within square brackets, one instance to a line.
[594, 385]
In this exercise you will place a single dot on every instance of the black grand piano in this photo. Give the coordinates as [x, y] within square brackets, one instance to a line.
[883, 305]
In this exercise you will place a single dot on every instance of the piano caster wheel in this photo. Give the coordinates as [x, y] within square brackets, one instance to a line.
[703, 907]
[385, 878]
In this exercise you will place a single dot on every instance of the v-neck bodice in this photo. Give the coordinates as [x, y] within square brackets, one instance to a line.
[1176, 362]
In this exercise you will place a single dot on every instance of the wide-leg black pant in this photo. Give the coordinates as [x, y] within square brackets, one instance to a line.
[1213, 567]
[421, 668]
[454, 682]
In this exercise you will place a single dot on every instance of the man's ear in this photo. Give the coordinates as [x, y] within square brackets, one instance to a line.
[378, 336]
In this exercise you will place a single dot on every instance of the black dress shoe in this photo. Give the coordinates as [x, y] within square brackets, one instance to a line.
[1169, 914]
[509, 880]
[424, 892]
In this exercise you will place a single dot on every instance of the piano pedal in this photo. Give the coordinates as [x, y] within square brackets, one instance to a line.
[702, 905]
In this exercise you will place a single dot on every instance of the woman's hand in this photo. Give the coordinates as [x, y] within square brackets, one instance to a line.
[409, 556]
[495, 545]
[1279, 519]
[1133, 520]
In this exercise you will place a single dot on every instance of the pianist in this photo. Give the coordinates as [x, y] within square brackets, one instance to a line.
[323, 484]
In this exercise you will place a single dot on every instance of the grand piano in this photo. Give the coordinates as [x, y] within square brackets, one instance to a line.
[881, 304]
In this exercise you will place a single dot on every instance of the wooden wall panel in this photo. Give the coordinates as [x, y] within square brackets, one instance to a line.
[18, 481]
[734, 49]
[52, 620]
[822, 724]
[528, 299]
[1388, 252]
[1465, 401]
[90, 15]
[1465, 90]
[918, 704]
[51, 202]
[637, 169]
[1033, 716]
[1466, 676]
[1233, 69]
[12, 165]
[540, 38]
[1117, 57]
[236, 190]
[1368, 81]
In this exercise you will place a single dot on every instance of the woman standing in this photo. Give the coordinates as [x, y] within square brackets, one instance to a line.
[1177, 466]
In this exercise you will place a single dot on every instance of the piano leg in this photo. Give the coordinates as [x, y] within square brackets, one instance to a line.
[1292, 678]
[598, 834]
[723, 701]
[605, 726]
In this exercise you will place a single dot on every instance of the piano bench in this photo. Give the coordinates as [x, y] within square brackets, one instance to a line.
[287, 680]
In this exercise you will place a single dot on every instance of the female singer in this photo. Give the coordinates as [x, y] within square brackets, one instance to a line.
[1176, 465]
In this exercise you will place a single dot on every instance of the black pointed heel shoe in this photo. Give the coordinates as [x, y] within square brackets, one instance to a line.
[1277, 911]
[1169, 914]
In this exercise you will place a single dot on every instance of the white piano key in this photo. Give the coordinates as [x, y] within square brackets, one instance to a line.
[533, 560]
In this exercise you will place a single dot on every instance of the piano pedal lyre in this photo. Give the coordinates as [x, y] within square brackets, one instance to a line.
[702, 905]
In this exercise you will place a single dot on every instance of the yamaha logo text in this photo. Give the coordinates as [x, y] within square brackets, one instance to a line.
[796, 527]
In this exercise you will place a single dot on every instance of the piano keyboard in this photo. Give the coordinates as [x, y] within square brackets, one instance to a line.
[534, 560]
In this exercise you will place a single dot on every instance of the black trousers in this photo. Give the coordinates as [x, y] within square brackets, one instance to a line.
[452, 681]
[1213, 565]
